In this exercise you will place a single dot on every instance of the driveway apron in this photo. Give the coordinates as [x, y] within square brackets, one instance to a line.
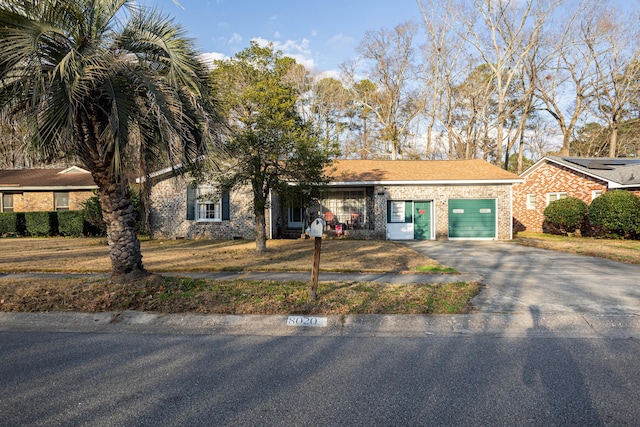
[520, 279]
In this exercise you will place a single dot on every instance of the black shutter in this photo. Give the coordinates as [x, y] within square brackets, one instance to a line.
[191, 203]
[225, 206]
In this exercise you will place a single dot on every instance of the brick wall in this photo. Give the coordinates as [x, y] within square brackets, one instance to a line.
[42, 201]
[549, 178]
[168, 214]
[440, 195]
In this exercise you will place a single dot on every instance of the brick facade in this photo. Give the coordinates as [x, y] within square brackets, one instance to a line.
[43, 201]
[549, 178]
[440, 195]
[169, 203]
[168, 214]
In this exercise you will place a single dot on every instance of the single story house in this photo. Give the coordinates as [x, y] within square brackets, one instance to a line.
[553, 178]
[32, 190]
[377, 199]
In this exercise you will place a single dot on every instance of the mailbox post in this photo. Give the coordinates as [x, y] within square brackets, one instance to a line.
[317, 229]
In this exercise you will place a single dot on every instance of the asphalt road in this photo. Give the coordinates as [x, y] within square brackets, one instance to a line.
[156, 379]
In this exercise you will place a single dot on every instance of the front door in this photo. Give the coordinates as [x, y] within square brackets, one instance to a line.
[422, 220]
[295, 217]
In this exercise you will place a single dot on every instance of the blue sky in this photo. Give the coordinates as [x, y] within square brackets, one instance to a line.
[320, 34]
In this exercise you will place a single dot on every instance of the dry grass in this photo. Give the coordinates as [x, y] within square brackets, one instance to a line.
[617, 250]
[177, 295]
[92, 255]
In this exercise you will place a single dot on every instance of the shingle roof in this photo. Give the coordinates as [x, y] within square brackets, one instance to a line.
[418, 171]
[618, 172]
[42, 179]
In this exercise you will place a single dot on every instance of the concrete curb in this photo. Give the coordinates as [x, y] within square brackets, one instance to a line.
[560, 325]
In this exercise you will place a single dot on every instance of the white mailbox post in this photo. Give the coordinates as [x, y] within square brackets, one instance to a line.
[317, 229]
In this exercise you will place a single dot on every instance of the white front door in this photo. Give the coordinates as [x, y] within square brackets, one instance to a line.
[295, 217]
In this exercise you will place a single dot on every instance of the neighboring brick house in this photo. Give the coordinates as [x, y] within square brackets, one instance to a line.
[402, 199]
[31, 190]
[552, 178]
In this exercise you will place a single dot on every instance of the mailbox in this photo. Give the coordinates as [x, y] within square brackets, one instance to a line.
[317, 228]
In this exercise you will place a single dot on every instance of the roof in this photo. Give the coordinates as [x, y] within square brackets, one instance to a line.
[475, 171]
[617, 172]
[73, 178]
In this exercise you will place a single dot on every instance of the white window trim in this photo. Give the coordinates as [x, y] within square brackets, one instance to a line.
[201, 193]
[532, 205]
[556, 193]
[596, 193]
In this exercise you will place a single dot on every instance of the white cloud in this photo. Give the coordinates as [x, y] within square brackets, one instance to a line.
[299, 50]
[235, 38]
[209, 57]
[340, 41]
[276, 35]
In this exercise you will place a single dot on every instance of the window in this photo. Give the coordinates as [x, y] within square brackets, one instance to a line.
[595, 194]
[347, 206]
[397, 211]
[7, 203]
[532, 200]
[61, 201]
[552, 197]
[208, 205]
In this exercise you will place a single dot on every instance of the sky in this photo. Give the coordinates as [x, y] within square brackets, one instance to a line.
[320, 34]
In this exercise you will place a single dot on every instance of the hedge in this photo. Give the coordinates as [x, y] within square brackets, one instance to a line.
[71, 223]
[41, 223]
[616, 213]
[565, 215]
[9, 223]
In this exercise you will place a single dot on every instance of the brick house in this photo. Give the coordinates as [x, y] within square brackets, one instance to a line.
[32, 190]
[553, 177]
[377, 199]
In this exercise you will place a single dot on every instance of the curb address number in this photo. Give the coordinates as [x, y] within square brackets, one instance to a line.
[306, 321]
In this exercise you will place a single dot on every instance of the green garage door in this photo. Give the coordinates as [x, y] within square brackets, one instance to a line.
[472, 218]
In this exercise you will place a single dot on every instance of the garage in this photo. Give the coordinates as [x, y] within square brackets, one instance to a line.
[472, 218]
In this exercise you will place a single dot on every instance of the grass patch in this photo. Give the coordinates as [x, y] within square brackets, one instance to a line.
[181, 295]
[436, 269]
[73, 255]
[615, 249]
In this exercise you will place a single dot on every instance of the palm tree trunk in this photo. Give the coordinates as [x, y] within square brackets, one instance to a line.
[124, 246]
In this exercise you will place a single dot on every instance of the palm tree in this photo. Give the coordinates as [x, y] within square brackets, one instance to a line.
[106, 82]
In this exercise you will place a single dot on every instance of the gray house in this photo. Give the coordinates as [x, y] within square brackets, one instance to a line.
[373, 199]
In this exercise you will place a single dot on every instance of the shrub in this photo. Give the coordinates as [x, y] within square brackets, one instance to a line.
[41, 223]
[71, 223]
[8, 223]
[616, 213]
[93, 223]
[566, 215]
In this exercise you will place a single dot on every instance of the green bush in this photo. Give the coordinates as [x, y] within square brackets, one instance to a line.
[565, 215]
[8, 223]
[41, 223]
[93, 223]
[71, 223]
[615, 213]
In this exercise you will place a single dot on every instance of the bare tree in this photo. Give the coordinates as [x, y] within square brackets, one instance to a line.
[389, 57]
[613, 48]
[443, 53]
[504, 33]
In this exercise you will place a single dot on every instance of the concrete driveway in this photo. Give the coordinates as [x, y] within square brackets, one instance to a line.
[521, 279]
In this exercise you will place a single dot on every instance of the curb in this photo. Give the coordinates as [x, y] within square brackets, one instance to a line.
[561, 325]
